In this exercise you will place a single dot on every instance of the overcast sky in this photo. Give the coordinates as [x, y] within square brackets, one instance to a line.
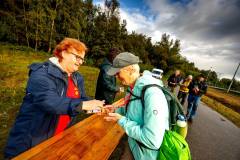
[209, 30]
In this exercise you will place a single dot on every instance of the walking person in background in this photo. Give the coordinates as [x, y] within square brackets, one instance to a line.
[107, 88]
[54, 96]
[145, 126]
[197, 88]
[174, 80]
[183, 91]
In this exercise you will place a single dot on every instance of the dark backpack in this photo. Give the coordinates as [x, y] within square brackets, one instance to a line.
[174, 146]
[174, 106]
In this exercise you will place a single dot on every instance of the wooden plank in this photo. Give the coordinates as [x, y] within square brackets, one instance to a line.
[92, 138]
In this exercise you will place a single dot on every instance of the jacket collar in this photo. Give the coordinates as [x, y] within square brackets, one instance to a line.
[56, 70]
[106, 62]
[55, 61]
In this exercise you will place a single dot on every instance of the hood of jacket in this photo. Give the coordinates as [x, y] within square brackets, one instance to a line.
[55, 61]
[144, 80]
[53, 67]
[105, 63]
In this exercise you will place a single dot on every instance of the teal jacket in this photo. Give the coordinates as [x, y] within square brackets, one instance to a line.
[147, 127]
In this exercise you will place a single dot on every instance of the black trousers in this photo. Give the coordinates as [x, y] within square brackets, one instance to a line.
[182, 97]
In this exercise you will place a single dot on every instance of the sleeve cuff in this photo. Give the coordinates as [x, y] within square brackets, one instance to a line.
[75, 107]
[117, 89]
[122, 121]
[79, 107]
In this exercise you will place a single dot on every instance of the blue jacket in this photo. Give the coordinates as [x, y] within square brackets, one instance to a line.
[44, 102]
[145, 126]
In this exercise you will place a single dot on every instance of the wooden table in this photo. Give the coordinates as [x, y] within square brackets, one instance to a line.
[91, 139]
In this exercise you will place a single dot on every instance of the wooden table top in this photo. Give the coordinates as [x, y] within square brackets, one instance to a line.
[91, 139]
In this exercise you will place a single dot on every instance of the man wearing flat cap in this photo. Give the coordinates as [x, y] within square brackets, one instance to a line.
[145, 126]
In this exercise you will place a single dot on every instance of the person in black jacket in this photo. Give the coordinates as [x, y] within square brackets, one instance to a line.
[197, 88]
[174, 80]
[54, 96]
[106, 85]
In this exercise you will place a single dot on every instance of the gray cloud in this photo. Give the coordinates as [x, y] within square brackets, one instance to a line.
[208, 29]
[204, 19]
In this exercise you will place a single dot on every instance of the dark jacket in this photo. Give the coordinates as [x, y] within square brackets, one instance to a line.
[174, 79]
[44, 102]
[202, 86]
[106, 85]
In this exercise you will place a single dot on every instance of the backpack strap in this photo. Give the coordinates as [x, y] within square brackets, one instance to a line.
[144, 90]
[143, 105]
[131, 99]
[142, 93]
[174, 107]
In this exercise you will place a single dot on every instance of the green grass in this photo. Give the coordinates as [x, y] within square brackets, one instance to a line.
[13, 78]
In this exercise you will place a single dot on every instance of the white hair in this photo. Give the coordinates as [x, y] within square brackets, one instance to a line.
[190, 77]
[135, 72]
[136, 68]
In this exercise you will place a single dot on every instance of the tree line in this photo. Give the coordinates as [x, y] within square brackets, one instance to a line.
[41, 24]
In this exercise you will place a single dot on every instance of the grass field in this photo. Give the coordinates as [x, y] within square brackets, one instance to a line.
[227, 99]
[226, 104]
[13, 75]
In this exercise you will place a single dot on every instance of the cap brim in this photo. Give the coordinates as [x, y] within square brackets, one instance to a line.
[112, 71]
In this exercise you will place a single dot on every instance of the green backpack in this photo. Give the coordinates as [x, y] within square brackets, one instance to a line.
[174, 146]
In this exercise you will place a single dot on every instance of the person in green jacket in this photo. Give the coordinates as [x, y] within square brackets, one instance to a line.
[106, 85]
[145, 127]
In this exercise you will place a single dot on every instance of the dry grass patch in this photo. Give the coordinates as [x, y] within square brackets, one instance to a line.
[227, 99]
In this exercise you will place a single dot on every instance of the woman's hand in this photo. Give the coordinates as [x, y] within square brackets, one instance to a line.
[109, 108]
[113, 117]
[92, 105]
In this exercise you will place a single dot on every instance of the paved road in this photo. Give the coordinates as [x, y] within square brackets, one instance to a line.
[213, 137]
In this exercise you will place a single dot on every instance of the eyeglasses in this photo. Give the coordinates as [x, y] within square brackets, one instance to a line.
[78, 58]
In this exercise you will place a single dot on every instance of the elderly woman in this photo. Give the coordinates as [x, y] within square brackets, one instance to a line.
[54, 96]
[145, 126]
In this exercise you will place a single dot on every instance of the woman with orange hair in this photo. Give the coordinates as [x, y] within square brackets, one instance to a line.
[54, 96]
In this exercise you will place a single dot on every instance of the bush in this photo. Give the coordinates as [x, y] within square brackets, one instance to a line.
[145, 67]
